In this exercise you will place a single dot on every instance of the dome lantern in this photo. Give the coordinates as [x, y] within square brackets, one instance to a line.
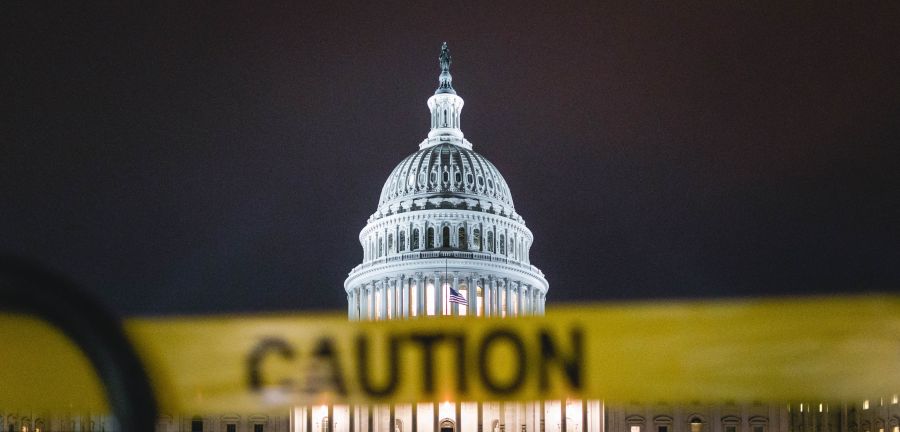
[445, 107]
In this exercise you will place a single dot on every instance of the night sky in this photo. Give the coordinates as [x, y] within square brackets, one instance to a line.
[217, 158]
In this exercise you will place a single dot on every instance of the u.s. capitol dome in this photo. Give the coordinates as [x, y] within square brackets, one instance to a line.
[445, 238]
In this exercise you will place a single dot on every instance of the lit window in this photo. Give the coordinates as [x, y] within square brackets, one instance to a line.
[866, 404]
[820, 407]
[635, 428]
[696, 424]
[895, 399]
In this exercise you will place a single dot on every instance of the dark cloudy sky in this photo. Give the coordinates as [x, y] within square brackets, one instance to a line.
[209, 157]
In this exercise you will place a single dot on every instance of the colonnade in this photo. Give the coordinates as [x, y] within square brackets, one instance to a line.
[531, 416]
[408, 296]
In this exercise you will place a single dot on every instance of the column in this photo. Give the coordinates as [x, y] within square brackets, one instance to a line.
[506, 292]
[420, 295]
[386, 298]
[404, 296]
[364, 302]
[520, 295]
[395, 297]
[489, 297]
[495, 297]
[473, 294]
[438, 294]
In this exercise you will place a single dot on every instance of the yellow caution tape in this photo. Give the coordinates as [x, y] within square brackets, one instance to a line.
[835, 348]
[40, 368]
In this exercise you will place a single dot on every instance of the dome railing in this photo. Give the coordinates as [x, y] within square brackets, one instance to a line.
[412, 256]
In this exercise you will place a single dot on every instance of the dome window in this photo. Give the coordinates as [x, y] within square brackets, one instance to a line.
[445, 237]
[476, 239]
[457, 178]
[502, 243]
[411, 180]
[390, 244]
[490, 241]
[434, 178]
[415, 240]
[490, 184]
[401, 241]
[429, 238]
[480, 182]
[422, 179]
[463, 241]
[470, 179]
[446, 176]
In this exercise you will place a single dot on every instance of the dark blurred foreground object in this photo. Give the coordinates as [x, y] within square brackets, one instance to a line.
[27, 288]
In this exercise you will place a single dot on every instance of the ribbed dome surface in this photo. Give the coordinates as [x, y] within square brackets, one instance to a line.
[447, 170]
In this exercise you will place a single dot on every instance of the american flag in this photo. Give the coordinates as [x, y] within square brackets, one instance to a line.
[456, 297]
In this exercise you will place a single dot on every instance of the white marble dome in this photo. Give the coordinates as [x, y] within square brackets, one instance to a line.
[445, 170]
[445, 239]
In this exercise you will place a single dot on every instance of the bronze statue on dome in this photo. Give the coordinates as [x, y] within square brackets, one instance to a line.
[445, 58]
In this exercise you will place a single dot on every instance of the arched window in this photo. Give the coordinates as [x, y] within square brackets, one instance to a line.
[390, 247]
[476, 239]
[490, 241]
[448, 425]
[401, 239]
[502, 244]
[429, 238]
[380, 246]
[463, 241]
[512, 247]
[445, 237]
[415, 240]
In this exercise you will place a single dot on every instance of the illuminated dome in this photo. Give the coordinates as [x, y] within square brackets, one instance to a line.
[445, 238]
[448, 171]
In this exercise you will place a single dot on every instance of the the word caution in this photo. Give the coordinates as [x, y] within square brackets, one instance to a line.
[738, 350]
